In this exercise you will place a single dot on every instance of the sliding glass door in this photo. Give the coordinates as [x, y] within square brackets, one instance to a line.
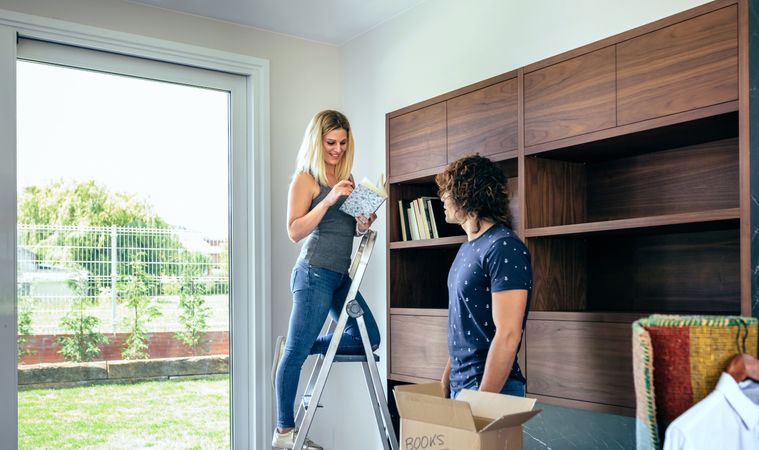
[123, 298]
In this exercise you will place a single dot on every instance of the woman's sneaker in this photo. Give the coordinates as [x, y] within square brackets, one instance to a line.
[279, 349]
[287, 441]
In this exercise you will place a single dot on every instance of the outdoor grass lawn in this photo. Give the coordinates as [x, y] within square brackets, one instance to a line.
[183, 414]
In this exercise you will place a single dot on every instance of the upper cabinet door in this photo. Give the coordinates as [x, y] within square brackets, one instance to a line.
[417, 140]
[684, 66]
[570, 98]
[484, 122]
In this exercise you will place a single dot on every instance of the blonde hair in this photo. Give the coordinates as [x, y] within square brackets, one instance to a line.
[311, 154]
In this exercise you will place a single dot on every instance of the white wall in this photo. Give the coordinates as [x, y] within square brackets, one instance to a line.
[443, 45]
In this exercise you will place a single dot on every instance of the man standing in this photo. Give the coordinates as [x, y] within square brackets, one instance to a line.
[489, 284]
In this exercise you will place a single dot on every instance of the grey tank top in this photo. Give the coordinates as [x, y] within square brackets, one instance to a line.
[331, 243]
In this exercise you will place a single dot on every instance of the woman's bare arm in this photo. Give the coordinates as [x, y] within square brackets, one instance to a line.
[303, 189]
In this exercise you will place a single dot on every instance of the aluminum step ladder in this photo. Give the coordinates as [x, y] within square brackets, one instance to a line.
[320, 372]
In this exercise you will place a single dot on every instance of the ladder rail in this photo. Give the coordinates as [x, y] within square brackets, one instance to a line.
[375, 405]
[379, 393]
[320, 373]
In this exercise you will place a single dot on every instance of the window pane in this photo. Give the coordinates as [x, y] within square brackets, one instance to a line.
[123, 279]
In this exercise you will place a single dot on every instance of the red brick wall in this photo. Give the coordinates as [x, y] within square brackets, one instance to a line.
[160, 345]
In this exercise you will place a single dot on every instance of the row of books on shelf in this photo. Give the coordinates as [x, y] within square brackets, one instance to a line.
[423, 218]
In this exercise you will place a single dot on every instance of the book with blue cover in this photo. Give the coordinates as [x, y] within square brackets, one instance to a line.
[366, 198]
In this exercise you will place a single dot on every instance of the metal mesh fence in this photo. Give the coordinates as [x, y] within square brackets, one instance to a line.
[52, 259]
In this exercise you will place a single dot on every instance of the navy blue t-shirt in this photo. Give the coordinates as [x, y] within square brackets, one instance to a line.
[495, 261]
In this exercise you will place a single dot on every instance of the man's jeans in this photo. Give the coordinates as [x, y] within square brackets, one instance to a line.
[316, 292]
[512, 387]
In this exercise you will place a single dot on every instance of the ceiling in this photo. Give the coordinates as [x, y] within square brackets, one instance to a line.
[329, 21]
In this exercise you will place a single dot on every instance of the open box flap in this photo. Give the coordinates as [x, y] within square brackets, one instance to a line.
[511, 420]
[433, 389]
[435, 410]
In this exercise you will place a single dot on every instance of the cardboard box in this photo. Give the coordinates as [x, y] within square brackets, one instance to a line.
[475, 421]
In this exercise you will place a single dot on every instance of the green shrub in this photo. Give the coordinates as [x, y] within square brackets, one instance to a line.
[194, 314]
[24, 324]
[83, 343]
[134, 292]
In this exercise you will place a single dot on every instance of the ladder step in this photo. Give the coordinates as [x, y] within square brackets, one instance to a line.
[306, 400]
[354, 358]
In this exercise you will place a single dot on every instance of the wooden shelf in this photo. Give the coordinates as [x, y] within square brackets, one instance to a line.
[677, 130]
[409, 378]
[586, 316]
[419, 312]
[428, 175]
[421, 176]
[422, 243]
[635, 223]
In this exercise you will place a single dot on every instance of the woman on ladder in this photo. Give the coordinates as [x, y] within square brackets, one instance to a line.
[319, 280]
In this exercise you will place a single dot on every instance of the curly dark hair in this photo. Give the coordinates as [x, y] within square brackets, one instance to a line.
[477, 186]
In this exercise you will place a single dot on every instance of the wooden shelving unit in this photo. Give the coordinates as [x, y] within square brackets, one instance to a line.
[440, 242]
[727, 216]
[627, 162]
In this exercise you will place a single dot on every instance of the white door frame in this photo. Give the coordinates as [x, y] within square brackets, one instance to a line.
[250, 291]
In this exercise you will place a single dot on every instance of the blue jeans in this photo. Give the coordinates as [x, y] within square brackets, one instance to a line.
[316, 293]
[512, 387]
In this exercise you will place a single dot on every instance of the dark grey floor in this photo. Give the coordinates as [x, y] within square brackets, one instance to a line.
[559, 428]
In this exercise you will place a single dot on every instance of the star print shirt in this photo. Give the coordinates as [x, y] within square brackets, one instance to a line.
[495, 261]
